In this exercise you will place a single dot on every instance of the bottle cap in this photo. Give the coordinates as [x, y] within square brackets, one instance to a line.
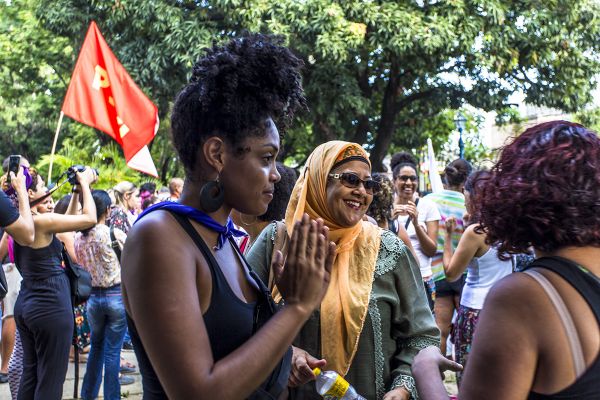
[317, 371]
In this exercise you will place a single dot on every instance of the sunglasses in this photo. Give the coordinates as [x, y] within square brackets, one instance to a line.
[351, 180]
[405, 178]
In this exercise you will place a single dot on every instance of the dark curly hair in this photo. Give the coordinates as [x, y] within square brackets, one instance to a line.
[233, 90]
[457, 171]
[281, 194]
[400, 160]
[544, 191]
[381, 206]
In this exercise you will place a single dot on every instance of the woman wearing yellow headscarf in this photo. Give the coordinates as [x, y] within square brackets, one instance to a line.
[374, 318]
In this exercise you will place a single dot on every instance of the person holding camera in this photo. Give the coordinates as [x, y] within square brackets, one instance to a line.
[12, 363]
[43, 311]
[18, 223]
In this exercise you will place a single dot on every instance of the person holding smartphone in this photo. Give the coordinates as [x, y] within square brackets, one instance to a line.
[18, 222]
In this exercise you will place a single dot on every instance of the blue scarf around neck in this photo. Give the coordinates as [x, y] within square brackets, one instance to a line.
[225, 232]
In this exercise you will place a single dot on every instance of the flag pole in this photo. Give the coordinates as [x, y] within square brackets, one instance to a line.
[62, 114]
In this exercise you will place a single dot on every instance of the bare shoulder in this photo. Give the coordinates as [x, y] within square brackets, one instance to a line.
[149, 230]
[516, 290]
[516, 306]
[156, 231]
[471, 233]
[156, 248]
[505, 347]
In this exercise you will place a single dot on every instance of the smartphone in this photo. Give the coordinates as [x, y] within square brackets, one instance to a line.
[13, 165]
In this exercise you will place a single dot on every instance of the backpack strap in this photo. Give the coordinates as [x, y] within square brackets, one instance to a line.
[408, 219]
[114, 243]
[566, 319]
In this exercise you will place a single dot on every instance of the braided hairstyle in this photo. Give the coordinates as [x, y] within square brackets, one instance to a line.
[234, 88]
[383, 200]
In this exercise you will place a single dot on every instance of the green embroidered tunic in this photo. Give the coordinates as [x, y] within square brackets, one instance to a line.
[398, 324]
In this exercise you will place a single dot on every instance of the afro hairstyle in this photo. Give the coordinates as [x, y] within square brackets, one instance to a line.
[233, 90]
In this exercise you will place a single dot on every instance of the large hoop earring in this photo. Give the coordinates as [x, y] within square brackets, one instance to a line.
[212, 196]
[247, 223]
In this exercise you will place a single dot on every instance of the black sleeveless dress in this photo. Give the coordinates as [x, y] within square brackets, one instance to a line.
[229, 321]
[587, 386]
[44, 317]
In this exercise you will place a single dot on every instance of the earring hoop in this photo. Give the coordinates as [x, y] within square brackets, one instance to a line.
[212, 196]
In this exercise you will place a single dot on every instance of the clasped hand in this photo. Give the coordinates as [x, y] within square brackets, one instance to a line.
[409, 209]
[304, 279]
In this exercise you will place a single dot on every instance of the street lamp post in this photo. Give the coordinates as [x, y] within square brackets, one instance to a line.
[460, 122]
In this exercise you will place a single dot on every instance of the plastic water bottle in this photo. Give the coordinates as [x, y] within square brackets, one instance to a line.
[332, 385]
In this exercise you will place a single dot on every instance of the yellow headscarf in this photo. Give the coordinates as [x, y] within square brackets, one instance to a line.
[344, 308]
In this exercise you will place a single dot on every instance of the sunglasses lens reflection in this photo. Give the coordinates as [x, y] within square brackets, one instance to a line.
[353, 181]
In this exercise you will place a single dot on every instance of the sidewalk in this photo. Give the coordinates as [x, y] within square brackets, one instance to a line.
[130, 392]
[134, 391]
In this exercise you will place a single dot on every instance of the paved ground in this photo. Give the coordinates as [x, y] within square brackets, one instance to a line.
[134, 391]
[450, 383]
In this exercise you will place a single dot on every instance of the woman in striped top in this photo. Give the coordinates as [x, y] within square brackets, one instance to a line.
[450, 203]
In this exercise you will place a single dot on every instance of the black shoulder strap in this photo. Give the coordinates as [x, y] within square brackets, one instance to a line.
[114, 244]
[189, 228]
[262, 287]
[393, 225]
[277, 381]
[584, 282]
[408, 219]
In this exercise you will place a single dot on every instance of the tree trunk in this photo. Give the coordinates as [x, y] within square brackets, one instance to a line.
[164, 168]
[362, 129]
[362, 78]
[321, 131]
[388, 116]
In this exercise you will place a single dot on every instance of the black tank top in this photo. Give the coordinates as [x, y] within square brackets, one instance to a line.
[587, 386]
[229, 321]
[42, 263]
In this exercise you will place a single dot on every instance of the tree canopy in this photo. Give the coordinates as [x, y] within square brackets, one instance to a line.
[380, 73]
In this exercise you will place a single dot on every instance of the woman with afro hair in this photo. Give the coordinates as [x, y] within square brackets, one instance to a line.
[202, 323]
[380, 209]
[537, 336]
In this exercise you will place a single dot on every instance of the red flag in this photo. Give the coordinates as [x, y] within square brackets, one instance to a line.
[103, 95]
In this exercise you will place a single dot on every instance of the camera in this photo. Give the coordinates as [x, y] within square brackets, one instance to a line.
[72, 173]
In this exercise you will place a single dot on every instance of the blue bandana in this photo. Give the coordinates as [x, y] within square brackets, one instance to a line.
[225, 232]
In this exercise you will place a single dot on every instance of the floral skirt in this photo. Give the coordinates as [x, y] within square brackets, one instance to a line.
[82, 328]
[466, 320]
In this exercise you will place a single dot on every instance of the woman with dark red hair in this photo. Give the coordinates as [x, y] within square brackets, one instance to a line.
[538, 334]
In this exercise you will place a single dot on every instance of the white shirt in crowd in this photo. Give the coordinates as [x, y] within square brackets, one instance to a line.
[428, 212]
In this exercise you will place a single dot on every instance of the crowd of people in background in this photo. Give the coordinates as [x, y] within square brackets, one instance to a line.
[34, 357]
[242, 279]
